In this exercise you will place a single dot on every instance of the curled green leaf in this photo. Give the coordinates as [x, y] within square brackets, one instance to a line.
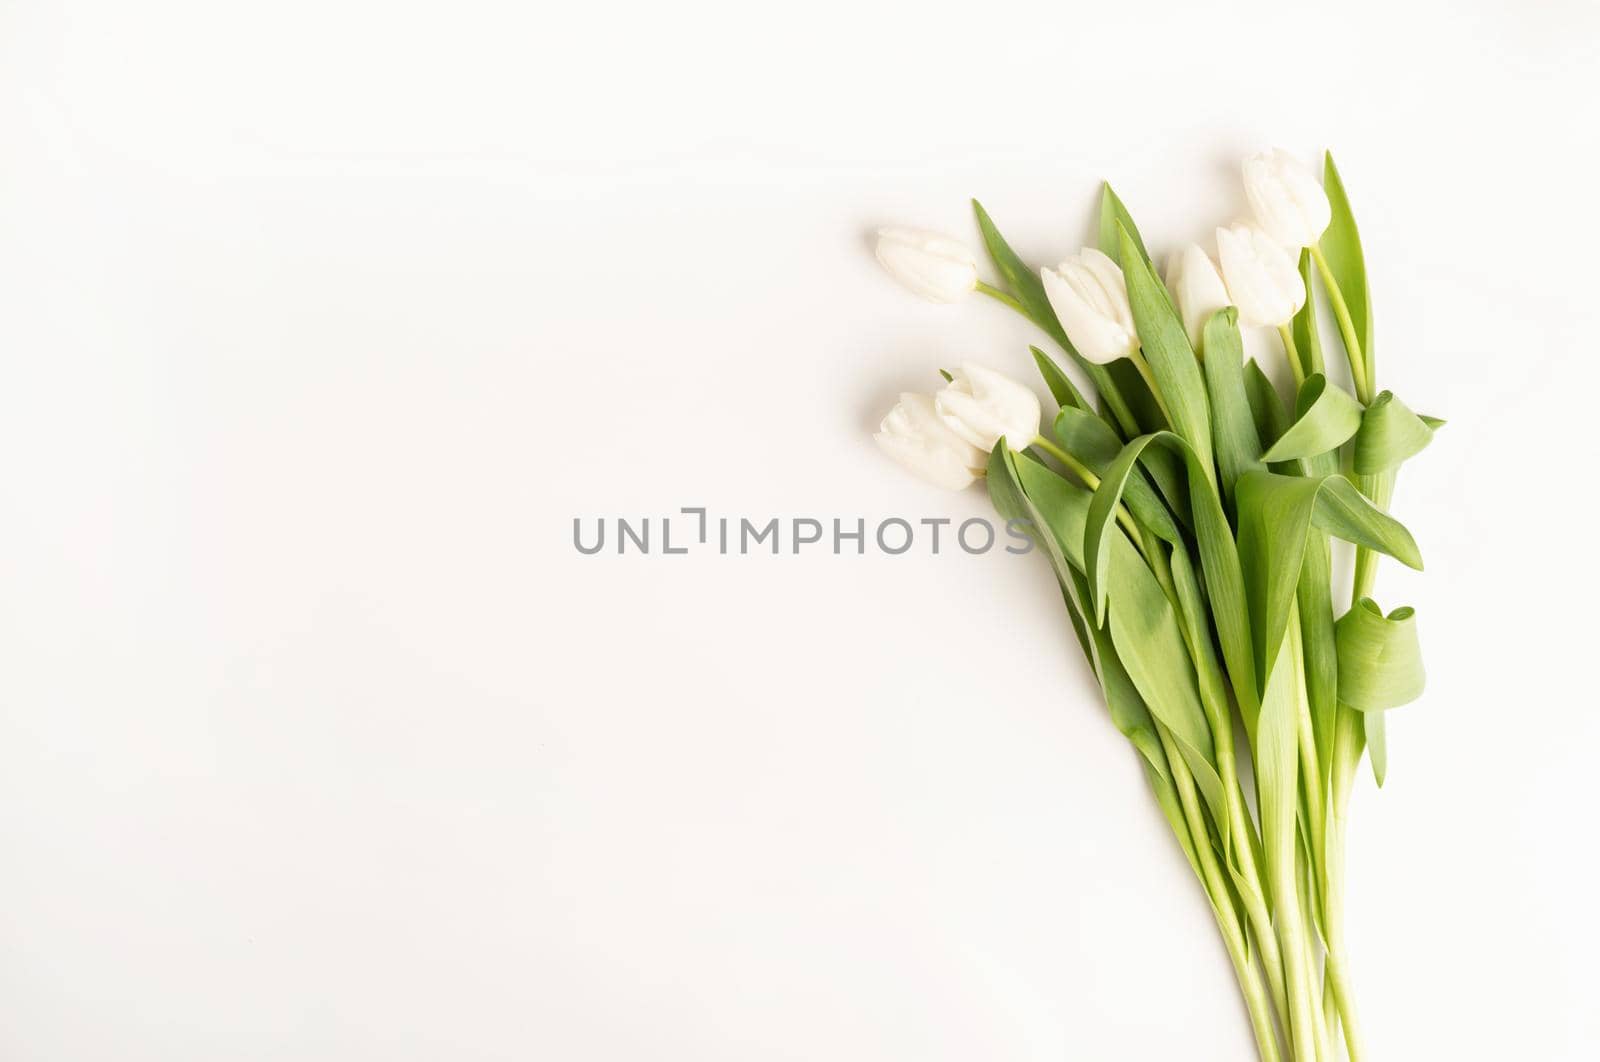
[1327, 418]
[1380, 658]
[1390, 435]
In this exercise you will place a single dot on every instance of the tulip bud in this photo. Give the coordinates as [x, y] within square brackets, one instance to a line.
[983, 406]
[935, 267]
[1289, 204]
[1198, 288]
[1090, 298]
[916, 436]
[1262, 279]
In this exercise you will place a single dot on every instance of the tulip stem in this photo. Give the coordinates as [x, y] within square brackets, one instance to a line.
[1293, 354]
[1002, 297]
[1347, 329]
[1137, 357]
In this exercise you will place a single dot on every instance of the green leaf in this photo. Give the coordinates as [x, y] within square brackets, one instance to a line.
[1341, 246]
[1233, 429]
[1021, 279]
[1128, 711]
[1376, 730]
[1276, 516]
[1307, 338]
[1167, 800]
[1219, 558]
[1136, 393]
[1112, 215]
[1062, 389]
[1390, 435]
[1266, 408]
[1143, 625]
[1344, 512]
[1079, 628]
[1012, 503]
[1328, 417]
[1194, 614]
[1166, 348]
[1277, 761]
[1092, 442]
[1380, 659]
[1314, 598]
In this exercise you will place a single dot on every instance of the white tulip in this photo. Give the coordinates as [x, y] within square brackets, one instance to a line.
[1090, 298]
[935, 267]
[983, 406]
[1288, 202]
[916, 436]
[1198, 288]
[1263, 281]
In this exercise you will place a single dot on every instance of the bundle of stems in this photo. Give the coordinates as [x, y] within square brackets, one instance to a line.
[1188, 515]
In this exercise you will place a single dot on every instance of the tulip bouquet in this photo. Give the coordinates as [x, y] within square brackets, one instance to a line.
[1189, 515]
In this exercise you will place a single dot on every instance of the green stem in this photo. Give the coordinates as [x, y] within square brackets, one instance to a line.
[1277, 790]
[1330, 1010]
[1347, 741]
[1291, 352]
[1137, 357]
[1347, 329]
[1310, 766]
[1379, 489]
[1319, 1017]
[1005, 298]
[1241, 829]
[1211, 877]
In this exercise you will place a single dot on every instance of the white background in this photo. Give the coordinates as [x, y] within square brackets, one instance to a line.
[319, 324]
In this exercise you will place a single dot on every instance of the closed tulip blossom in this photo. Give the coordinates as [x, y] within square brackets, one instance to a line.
[1198, 289]
[915, 435]
[1090, 299]
[983, 406]
[1261, 277]
[1289, 204]
[936, 267]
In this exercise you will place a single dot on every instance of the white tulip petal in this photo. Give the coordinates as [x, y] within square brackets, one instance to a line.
[1090, 299]
[933, 465]
[916, 436]
[1262, 278]
[983, 406]
[1288, 202]
[936, 267]
[1198, 289]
